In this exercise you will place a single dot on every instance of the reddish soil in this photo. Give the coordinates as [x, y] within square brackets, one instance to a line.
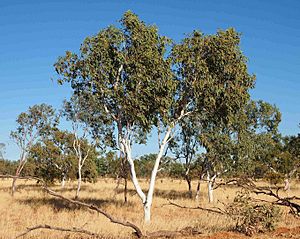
[279, 233]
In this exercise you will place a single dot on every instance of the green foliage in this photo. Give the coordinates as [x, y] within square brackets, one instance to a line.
[212, 70]
[252, 217]
[256, 139]
[122, 74]
[274, 177]
[7, 167]
[108, 165]
[55, 158]
[175, 170]
[36, 123]
[126, 77]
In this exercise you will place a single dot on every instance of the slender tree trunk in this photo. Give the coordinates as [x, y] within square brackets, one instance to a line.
[210, 188]
[79, 182]
[13, 186]
[286, 184]
[198, 191]
[147, 205]
[63, 181]
[18, 171]
[124, 174]
[125, 189]
[189, 182]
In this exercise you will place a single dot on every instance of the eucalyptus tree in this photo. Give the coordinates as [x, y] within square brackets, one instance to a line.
[78, 117]
[132, 86]
[32, 126]
[185, 146]
[292, 146]
[217, 159]
[55, 159]
[257, 137]
[284, 160]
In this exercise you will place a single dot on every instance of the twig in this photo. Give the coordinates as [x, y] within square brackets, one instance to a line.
[46, 226]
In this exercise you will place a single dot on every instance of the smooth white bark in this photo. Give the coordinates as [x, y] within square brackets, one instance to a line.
[63, 181]
[126, 148]
[146, 199]
[79, 182]
[210, 188]
[155, 168]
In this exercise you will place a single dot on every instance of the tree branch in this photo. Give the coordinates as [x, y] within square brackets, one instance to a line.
[49, 227]
[124, 223]
[217, 210]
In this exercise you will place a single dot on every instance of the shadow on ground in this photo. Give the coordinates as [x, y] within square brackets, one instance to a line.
[168, 194]
[59, 204]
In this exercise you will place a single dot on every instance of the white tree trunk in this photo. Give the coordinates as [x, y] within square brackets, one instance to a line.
[147, 205]
[287, 186]
[126, 150]
[147, 213]
[63, 181]
[210, 188]
[146, 200]
[79, 182]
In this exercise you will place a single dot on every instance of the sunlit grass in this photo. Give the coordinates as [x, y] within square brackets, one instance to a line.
[31, 206]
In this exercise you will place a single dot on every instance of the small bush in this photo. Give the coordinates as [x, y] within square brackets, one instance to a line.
[252, 217]
[274, 178]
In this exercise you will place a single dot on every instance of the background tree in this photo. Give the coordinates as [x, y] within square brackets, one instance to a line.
[55, 158]
[185, 146]
[2, 151]
[292, 146]
[32, 126]
[256, 139]
[78, 118]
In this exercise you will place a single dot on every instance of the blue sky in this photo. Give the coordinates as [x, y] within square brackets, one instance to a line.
[34, 33]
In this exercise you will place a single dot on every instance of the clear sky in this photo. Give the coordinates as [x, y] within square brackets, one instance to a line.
[34, 33]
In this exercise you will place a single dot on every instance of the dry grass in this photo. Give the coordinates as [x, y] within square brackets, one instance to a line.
[31, 206]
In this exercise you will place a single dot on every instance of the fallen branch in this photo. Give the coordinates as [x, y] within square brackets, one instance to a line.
[22, 177]
[281, 201]
[124, 223]
[46, 226]
[216, 210]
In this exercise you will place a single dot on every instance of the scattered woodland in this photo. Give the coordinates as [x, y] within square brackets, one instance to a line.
[222, 168]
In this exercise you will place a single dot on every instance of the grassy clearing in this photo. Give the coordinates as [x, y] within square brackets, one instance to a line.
[31, 207]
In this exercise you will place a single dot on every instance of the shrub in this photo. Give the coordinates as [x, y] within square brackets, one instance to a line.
[274, 178]
[252, 217]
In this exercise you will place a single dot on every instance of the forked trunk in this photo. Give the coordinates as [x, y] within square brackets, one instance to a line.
[125, 147]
